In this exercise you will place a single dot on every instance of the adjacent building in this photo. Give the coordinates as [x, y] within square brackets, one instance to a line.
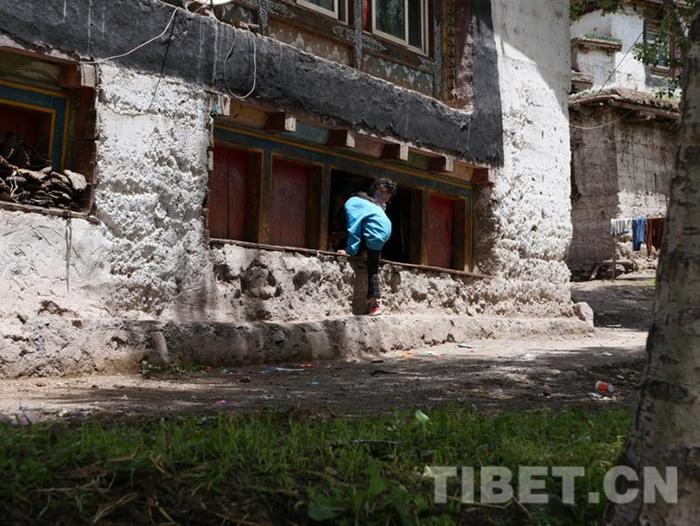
[623, 135]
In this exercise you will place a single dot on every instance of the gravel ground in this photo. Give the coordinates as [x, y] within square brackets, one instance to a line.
[489, 375]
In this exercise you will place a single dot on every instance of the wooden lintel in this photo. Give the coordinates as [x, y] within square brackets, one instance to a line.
[481, 176]
[280, 122]
[343, 138]
[79, 76]
[395, 152]
[443, 163]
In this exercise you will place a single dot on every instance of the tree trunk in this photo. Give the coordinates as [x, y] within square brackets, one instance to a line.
[666, 427]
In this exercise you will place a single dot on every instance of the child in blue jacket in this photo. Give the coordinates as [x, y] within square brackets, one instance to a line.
[367, 222]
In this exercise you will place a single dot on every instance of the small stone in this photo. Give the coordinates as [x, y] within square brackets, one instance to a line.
[244, 379]
[584, 312]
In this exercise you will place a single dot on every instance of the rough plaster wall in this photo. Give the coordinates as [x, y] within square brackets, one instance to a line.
[524, 224]
[152, 169]
[593, 22]
[627, 26]
[645, 159]
[594, 192]
[147, 256]
[597, 63]
[283, 286]
[33, 257]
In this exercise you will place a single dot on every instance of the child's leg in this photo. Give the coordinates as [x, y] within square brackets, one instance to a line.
[373, 288]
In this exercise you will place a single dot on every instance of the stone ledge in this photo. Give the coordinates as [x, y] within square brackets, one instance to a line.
[59, 346]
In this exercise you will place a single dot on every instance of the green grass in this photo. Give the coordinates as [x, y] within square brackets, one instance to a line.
[274, 468]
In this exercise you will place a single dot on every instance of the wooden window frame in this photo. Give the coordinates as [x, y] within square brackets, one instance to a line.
[462, 231]
[318, 206]
[652, 26]
[336, 14]
[316, 234]
[69, 105]
[425, 28]
[254, 177]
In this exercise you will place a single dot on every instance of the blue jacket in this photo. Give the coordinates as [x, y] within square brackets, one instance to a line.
[365, 220]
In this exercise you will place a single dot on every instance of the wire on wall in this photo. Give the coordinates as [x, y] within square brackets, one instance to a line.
[255, 68]
[143, 44]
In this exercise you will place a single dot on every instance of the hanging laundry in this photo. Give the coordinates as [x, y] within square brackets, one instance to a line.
[620, 226]
[638, 231]
[654, 233]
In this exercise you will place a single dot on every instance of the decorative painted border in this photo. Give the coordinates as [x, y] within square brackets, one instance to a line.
[356, 164]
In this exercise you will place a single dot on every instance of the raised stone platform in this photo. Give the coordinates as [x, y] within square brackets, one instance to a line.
[56, 346]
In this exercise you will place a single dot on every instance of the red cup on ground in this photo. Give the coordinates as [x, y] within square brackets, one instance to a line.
[604, 387]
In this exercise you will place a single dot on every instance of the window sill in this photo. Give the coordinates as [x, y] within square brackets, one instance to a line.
[314, 252]
[56, 212]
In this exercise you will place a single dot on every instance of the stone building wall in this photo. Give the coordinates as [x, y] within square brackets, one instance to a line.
[594, 192]
[525, 225]
[85, 294]
[645, 158]
[618, 170]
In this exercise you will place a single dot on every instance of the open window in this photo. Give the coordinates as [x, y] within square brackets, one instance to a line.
[278, 194]
[47, 133]
[343, 186]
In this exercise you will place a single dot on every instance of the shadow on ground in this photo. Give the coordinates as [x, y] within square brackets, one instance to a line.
[622, 303]
[529, 381]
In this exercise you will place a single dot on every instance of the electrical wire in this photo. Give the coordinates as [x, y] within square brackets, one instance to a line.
[255, 68]
[617, 66]
[602, 125]
[143, 44]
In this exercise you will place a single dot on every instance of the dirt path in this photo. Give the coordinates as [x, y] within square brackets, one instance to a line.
[486, 374]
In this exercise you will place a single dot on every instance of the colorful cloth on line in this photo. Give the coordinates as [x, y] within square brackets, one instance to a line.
[654, 233]
[620, 226]
[638, 232]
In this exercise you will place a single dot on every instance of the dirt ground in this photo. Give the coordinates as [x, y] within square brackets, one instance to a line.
[484, 374]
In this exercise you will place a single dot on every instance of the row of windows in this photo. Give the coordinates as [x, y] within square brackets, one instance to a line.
[298, 204]
[402, 21]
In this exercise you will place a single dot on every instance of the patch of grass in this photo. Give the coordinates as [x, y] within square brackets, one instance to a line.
[275, 468]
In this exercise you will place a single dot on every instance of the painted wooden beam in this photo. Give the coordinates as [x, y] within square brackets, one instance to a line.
[280, 122]
[395, 152]
[443, 163]
[79, 76]
[343, 138]
[482, 176]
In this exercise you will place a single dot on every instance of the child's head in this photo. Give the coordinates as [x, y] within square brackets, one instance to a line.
[383, 189]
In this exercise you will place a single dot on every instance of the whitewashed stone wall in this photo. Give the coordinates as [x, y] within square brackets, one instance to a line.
[525, 218]
[626, 26]
[82, 296]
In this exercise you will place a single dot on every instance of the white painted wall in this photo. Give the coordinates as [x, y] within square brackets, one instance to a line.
[627, 26]
[593, 22]
[527, 212]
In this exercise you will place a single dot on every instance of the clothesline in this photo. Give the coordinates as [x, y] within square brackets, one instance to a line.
[645, 229]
